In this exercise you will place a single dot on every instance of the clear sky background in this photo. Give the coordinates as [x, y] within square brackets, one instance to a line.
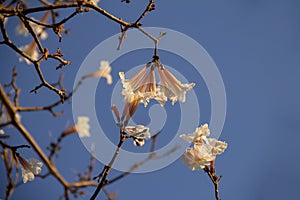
[255, 45]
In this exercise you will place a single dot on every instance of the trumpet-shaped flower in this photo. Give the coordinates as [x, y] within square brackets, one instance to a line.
[139, 134]
[143, 85]
[30, 168]
[83, 127]
[104, 72]
[172, 88]
[203, 151]
[31, 51]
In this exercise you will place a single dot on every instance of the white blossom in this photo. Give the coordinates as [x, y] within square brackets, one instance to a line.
[1, 131]
[172, 88]
[38, 30]
[203, 151]
[144, 85]
[30, 168]
[200, 134]
[104, 72]
[139, 134]
[31, 51]
[83, 127]
[198, 157]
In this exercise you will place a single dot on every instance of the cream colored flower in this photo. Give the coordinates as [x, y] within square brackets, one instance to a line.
[83, 127]
[30, 168]
[38, 30]
[139, 134]
[172, 88]
[144, 85]
[1, 131]
[104, 72]
[31, 51]
[198, 157]
[199, 135]
[203, 151]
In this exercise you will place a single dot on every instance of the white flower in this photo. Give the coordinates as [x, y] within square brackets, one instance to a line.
[198, 157]
[171, 87]
[31, 51]
[1, 131]
[83, 127]
[104, 71]
[30, 168]
[144, 85]
[203, 151]
[218, 147]
[200, 134]
[139, 134]
[39, 31]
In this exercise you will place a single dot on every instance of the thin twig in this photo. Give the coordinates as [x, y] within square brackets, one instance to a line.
[12, 111]
[106, 170]
[215, 179]
[15, 11]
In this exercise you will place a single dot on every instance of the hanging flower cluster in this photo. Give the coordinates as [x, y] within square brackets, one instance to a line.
[143, 87]
[203, 151]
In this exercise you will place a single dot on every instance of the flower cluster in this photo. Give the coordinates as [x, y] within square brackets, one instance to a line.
[203, 151]
[143, 87]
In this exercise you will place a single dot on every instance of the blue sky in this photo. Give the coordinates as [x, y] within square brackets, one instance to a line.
[255, 45]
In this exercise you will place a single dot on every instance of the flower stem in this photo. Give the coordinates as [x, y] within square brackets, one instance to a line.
[106, 170]
[215, 179]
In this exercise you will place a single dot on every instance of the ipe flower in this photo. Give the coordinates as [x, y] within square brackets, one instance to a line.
[143, 87]
[31, 51]
[104, 72]
[82, 127]
[203, 151]
[30, 168]
[139, 134]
